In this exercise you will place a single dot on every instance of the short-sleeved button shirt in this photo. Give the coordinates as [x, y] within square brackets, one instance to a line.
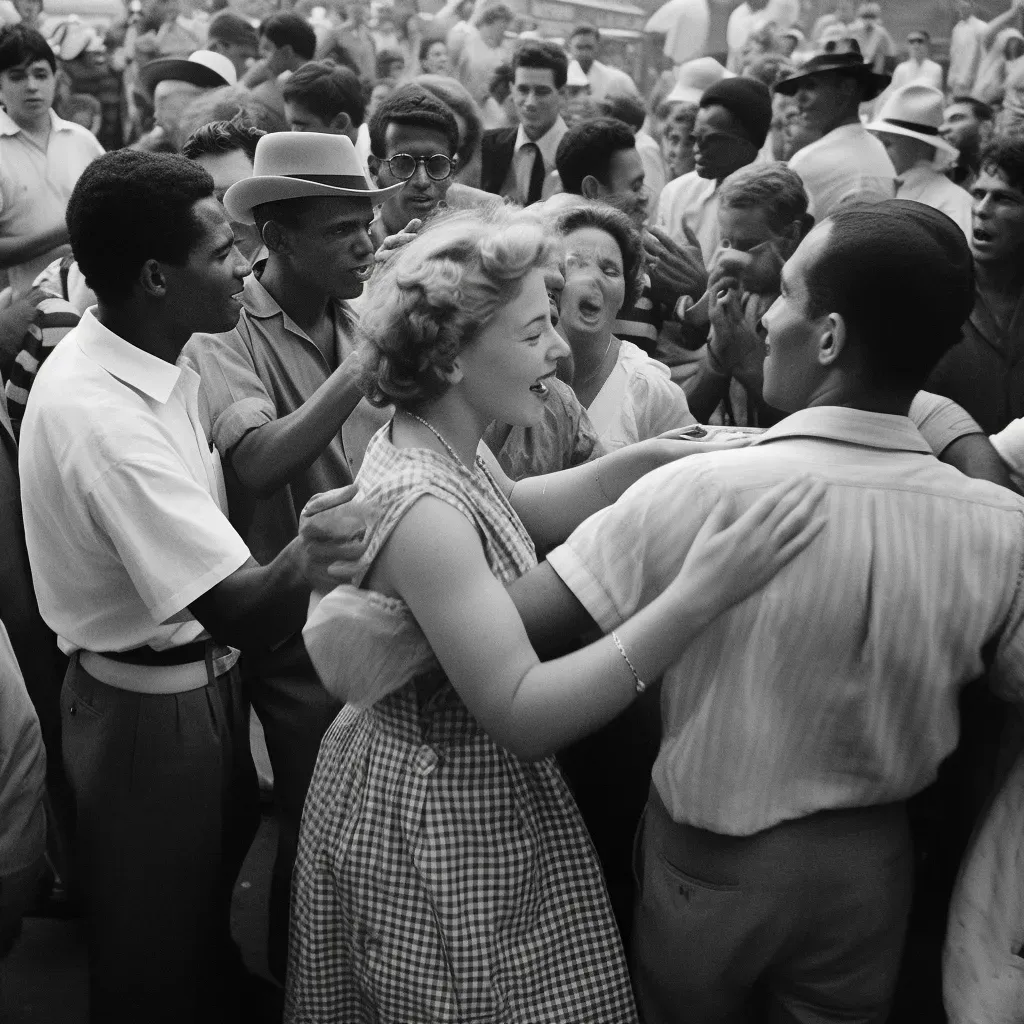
[266, 368]
[35, 185]
[125, 514]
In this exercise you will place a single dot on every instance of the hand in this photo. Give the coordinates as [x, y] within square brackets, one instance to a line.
[393, 243]
[674, 270]
[737, 347]
[333, 531]
[15, 321]
[727, 563]
[683, 441]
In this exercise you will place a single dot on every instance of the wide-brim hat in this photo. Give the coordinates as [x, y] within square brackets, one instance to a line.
[693, 77]
[204, 68]
[914, 111]
[872, 82]
[296, 165]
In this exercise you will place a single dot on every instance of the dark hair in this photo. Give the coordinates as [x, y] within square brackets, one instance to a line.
[625, 108]
[287, 212]
[230, 103]
[618, 225]
[129, 207]
[456, 97]
[920, 32]
[414, 106]
[1004, 156]
[772, 187]
[585, 29]
[229, 27]
[386, 59]
[901, 276]
[288, 29]
[982, 111]
[499, 12]
[536, 53]
[327, 90]
[222, 137]
[20, 45]
[501, 82]
[587, 149]
[427, 42]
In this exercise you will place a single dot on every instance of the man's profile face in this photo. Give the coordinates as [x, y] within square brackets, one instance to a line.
[719, 147]
[820, 99]
[625, 188]
[227, 169]
[421, 194]
[583, 48]
[998, 216]
[791, 367]
[536, 99]
[960, 126]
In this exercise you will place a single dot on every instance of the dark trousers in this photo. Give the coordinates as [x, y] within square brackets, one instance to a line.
[803, 922]
[167, 807]
[295, 712]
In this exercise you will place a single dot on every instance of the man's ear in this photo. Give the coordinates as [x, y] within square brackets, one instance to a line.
[832, 339]
[590, 187]
[273, 237]
[153, 280]
[342, 125]
[373, 166]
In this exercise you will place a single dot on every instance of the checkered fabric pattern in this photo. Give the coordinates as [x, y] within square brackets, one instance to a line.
[439, 878]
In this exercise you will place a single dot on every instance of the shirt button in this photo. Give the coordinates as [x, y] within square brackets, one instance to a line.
[426, 760]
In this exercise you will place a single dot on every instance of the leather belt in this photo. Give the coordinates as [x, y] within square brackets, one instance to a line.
[144, 670]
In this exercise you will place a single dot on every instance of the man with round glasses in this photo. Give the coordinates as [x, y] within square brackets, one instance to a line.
[413, 138]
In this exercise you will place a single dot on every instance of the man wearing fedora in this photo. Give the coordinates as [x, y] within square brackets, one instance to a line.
[908, 126]
[278, 388]
[846, 161]
[173, 83]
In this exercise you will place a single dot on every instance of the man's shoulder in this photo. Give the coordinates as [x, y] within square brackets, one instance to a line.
[79, 137]
[682, 186]
[495, 138]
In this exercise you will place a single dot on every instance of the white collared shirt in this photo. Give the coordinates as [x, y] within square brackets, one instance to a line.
[847, 163]
[35, 185]
[924, 184]
[924, 71]
[835, 685]
[693, 201]
[517, 181]
[123, 498]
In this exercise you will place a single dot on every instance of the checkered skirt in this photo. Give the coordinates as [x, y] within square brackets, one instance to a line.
[439, 878]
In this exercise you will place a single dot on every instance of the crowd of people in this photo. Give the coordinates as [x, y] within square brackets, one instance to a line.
[587, 523]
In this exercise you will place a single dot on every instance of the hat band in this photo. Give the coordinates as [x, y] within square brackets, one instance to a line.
[356, 181]
[912, 126]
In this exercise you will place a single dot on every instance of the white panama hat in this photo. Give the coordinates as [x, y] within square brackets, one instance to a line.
[693, 77]
[294, 165]
[915, 111]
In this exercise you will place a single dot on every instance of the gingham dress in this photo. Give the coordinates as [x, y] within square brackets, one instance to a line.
[440, 878]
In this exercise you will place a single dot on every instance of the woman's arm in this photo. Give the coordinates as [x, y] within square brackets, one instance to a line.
[435, 562]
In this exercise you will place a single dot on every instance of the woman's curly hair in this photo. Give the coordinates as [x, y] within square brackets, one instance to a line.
[432, 298]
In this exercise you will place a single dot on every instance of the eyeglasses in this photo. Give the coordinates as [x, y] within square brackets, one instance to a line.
[403, 166]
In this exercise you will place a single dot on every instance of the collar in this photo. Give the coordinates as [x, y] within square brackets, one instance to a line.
[140, 370]
[850, 426]
[547, 143]
[258, 302]
[920, 174]
[8, 126]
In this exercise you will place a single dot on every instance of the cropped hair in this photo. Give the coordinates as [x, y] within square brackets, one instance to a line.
[457, 98]
[981, 110]
[499, 12]
[427, 42]
[288, 29]
[219, 137]
[587, 149]
[901, 276]
[327, 90]
[1004, 155]
[773, 188]
[921, 32]
[544, 56]
[20, 45]
[585, 29]
[129, 207]
[414, 106]
[625, 108]
[501, 82]
[616, 224]
[386, 60]
[228, 27]
[432, 298]
[230, 103]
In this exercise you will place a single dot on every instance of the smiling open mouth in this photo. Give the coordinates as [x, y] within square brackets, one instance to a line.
[539, 387]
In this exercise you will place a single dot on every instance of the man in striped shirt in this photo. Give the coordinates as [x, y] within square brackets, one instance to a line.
[775, 861]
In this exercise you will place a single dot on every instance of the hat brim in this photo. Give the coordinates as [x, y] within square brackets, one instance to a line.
[874, 84]
[937, 143]
[176, 69]
[240, 199]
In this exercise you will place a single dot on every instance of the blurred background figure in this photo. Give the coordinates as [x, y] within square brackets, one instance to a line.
[434, 57]
[230, 34]
[967, 124]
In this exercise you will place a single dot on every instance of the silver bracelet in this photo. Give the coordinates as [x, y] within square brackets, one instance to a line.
[639, 684]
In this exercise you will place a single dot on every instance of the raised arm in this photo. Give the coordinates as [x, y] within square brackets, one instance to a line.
[1008, 19]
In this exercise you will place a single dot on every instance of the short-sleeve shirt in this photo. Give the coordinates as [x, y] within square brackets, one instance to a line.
[847, 163]
[835, 685]
[266, 368]
[693, 201]
[35, 185]
[125, 513]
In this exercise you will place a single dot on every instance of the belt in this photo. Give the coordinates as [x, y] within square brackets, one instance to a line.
[176, 670]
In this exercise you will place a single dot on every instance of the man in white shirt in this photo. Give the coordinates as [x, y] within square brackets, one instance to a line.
[752, 16]
[965, 49]
[605, 81]
[918, 67]
[41, 157]
[908, 126]
[846, 161]
[119, 481]
[774, 863]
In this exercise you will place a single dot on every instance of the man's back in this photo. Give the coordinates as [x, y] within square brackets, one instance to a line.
[836, 686]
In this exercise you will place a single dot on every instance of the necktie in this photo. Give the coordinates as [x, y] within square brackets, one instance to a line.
[533, 193]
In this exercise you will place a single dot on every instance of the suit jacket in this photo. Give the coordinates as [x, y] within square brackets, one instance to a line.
[497, 147]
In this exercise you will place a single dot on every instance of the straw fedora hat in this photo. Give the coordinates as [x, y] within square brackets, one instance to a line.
[916, 112]
[294, 165]
[847, 63]
[204, 68]
[693, 77]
